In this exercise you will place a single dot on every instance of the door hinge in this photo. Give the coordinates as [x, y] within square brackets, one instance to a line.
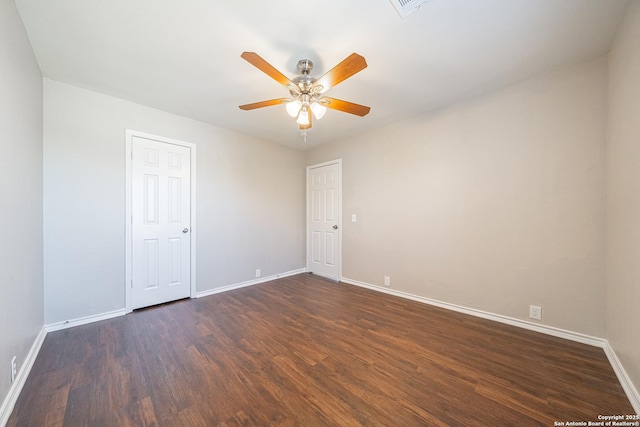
[131, 154]
[131, 283]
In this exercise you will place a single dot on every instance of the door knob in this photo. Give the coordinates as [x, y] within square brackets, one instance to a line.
[185, 230]
[335, 227]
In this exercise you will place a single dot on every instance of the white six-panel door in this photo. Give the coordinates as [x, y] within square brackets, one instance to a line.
[161, 229]
[324, 219]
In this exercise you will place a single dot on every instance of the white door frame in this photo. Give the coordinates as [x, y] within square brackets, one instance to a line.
[308, 213]
[130, 134]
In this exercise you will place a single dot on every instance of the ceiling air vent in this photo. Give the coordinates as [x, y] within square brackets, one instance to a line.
[407, 7]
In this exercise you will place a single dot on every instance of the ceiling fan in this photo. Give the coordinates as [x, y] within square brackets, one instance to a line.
[307, 99]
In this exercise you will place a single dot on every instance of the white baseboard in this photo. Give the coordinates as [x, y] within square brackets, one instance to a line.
[625, 381]
[549, 330]
[51, 327]
[21, 378]
[623, 377]
[249, 283]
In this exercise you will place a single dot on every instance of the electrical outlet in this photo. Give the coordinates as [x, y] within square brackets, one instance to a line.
[14, 369]
[535, 312]
[387, 281]
[258, 273]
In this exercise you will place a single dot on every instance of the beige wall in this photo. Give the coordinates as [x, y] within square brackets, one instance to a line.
[21, 287]
[250, 200]
[494, 204]
[623, 195]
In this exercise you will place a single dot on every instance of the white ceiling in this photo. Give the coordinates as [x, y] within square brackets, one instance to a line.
[184, 56]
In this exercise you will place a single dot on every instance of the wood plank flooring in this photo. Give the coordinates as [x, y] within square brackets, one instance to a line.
[304, 351]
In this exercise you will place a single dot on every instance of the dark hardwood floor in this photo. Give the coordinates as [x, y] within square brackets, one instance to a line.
[304, 351]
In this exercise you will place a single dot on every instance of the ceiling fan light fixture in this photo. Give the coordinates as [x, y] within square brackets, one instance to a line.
[303, 116]
[293, 108]
[318, 110]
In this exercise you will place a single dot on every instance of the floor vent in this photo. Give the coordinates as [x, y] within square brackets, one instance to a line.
[407, 7]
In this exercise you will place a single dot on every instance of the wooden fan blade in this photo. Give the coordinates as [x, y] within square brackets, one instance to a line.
[347, 107]
[261, 104]
[262, 65]
[347, 68]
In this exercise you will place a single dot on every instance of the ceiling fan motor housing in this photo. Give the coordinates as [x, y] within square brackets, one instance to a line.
[303, 82]
[305, 66]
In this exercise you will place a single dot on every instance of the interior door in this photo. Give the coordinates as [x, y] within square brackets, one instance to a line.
[161, 234]
[324, 214]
